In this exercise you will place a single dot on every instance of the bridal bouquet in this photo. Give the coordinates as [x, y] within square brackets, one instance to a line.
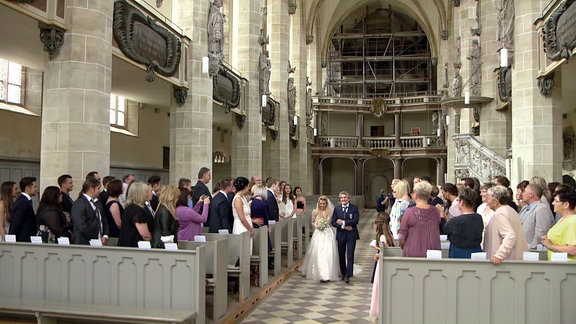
[321, 223]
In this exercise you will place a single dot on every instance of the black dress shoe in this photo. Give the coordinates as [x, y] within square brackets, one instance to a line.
[342, 277]
[347, 280]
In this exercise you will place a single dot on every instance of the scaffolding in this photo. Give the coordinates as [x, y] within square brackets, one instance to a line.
[381, 53]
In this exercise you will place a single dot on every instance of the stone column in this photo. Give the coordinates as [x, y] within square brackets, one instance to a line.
[279, 31]
[247, 141]
[359, 190]
[77, 85]
[360, 129]
[398, 168]
[316, 176]
[191, 123]
[537, 120]
[397, 130]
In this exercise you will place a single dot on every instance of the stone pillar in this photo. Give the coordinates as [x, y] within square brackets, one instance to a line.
[360, 129]
[279, 31]
[77, 85]
[191, 123]
[316, 176]
[397, 130]
[442, 171]
[537, 120]
[247, 141]
[457, 115]
[398, 168]
[359, 190]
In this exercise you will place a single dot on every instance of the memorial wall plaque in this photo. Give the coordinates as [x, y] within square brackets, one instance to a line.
[144, 41]
[559, 32]
[226, 89]
[269, 112]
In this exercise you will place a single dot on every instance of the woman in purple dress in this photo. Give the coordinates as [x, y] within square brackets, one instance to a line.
[190, 219]
[420, 227]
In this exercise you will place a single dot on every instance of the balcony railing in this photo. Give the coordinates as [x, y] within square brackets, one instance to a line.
[388, 142]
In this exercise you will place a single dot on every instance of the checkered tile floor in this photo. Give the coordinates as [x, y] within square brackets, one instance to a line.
[304, 301]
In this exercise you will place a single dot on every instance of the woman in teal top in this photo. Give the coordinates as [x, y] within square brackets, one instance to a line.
[562, 236]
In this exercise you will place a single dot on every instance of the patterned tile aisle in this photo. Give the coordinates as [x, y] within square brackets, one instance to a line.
[304, 301]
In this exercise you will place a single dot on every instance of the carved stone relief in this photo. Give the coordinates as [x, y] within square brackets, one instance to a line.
[265, 66]
[568, 137]
[216, 21]
[475, 68]
[477, 29]
[545, 85]
[52, 38]
[558, 33]
[505, 17]
[457, 84]
[471, 161]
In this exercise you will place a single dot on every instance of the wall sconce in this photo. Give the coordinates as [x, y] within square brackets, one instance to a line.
[447, 120]
[315, 132]
[503, 57]
[466, 98]
[438, 132]
[295, 120]
[264, 100]
[205, 64]
[314, 99]
[428, 141]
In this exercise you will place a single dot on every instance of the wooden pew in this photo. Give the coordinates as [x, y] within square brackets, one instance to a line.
[288, 240]
[299, 236]
[238, 250]
[476, 291]
[276, 237]
[110, 284]
[216, 266]
[307, 228]
[396, 251]
[259, 255]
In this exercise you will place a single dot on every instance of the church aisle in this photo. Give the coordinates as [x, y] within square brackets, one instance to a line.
[304, 301]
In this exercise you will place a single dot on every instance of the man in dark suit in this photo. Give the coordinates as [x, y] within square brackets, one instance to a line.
[201, 189]
[88, 215]
[103, 195]
[345, 219]
[154, 183]
[66, 185]
[221, 209]
[271, 203]
[24, 223]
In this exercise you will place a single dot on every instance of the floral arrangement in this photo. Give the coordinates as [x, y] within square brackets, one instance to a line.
[321, 223]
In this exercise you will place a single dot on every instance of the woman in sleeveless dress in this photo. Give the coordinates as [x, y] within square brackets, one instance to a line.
[289, 202]
[300, 202]
[113, 210]
[321, 260]
[8, 191]
[241, 209]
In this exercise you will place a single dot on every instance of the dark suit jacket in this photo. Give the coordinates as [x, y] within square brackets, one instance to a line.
[350, 219]
[199, 189]
[86, 222]
[24, 223]
[103, 197]
[273, 212]
[67, 202]
[220, 213]
[154, 201]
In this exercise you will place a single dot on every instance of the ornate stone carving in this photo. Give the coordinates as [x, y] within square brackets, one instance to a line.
[292, 6]
[180, 95]
[291, 88]
[378, 107]
[477, 29]
[226, 89]
[458, 58]
[52, 38]
[475, 68]
[456, 3]
[216, 21]
[308, 102]
[159, 3]
[558, 32]
[240, 120]
[265, 66]
[137, 37]
[309, 39]
[505, 17]
[568, 137]
[505, 83]
[473, 159]
[476, 124]
[457, 84]
[444, 34]
[545, 85]
[273, 134]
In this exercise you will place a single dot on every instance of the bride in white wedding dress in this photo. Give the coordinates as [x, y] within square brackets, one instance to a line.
[321, 260]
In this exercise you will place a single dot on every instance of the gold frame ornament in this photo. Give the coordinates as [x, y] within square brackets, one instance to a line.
[378, 107]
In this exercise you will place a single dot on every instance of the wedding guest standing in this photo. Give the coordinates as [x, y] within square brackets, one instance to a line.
[190, 219]
[8, 192]
[137, 225]
[165, 220]
[465, 232]
[24, 223]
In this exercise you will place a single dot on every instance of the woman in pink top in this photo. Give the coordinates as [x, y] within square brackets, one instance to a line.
[190, 220]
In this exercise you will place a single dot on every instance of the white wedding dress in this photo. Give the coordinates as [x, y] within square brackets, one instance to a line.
[321, 260]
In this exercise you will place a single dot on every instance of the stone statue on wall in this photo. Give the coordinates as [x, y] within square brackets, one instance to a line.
[475, 68]
[505, 17]
[457, 84]
[568, 138]
[265, 66]
[291, 98]
[216, 21]
[476, 124]
[458, 58]
[477, 29]
[308, 101]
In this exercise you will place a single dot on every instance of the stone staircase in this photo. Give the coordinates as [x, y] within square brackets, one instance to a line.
[474, 159]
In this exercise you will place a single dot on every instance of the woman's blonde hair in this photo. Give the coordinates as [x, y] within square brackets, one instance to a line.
[167, 197]
[136, 193]
[259, 190]
[402, 188]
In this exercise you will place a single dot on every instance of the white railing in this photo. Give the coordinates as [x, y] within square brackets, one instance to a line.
[387, 142]
[474, 159]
